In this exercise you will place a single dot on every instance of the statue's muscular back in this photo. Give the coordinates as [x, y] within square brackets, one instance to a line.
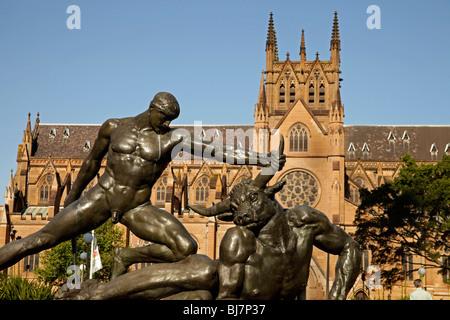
[274, 265]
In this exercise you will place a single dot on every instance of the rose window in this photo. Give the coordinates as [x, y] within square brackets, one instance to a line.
[300, 188]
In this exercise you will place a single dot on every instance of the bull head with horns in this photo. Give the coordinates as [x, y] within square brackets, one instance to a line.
[251, 202]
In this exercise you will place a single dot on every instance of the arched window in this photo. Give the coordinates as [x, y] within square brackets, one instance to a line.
[322, 94]
[292, 93]
[161, 189]
[282, 93]
[202, 190]
[311, 93]
[298, 138]
[361, 183]
[354, 195]
[46, 188]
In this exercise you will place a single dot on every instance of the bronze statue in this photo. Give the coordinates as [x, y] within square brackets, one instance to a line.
[265, 256]
[138, 149]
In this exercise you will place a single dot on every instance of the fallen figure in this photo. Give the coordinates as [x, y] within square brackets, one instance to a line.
[266, 255]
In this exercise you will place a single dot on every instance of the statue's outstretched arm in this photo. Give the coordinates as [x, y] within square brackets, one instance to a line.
[226, 153]
[222, 210]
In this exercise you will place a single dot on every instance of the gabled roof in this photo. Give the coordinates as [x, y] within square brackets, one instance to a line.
[292, 106]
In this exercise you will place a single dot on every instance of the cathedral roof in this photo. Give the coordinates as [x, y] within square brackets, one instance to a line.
[367, 142]
[75, 140]
[389, 143]
[64, 140]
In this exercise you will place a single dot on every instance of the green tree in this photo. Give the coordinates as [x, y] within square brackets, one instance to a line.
[55, 261]
[411, 215]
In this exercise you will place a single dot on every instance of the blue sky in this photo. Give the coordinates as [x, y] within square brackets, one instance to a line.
[210, 54]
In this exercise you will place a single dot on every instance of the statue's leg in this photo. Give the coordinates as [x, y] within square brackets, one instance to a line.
[171, 241]
[81, 216]
[194, 275]
[191, 295]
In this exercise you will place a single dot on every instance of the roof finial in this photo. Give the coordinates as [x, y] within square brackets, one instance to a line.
[28, 128]
[303, 47]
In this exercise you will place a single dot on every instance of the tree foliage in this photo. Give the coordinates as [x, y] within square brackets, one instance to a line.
[55, 261]
[411, 215]
[18, 288]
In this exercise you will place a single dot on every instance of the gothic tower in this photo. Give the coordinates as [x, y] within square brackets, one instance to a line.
[314, 82]
[301, 98]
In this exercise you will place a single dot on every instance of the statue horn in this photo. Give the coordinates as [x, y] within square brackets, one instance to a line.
[267, 173]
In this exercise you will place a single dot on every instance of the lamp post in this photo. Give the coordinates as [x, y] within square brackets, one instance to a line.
[422, 272]
[87, 238]
[83, 256]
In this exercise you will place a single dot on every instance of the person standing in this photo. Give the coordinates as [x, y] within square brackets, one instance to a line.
[419, 293]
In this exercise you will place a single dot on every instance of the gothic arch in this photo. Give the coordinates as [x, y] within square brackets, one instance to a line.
[45, 187]
[298, 137]
[201, 190]
[282, 92]
[160, 189]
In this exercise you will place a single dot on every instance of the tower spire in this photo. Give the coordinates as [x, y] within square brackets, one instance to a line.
[335, 43]
[337, 103]
[271, 43]
[261, 113]
[271, 31]
[262, 93]
[303, 47]
[9, 193]
[261, 137]
[27, 132]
